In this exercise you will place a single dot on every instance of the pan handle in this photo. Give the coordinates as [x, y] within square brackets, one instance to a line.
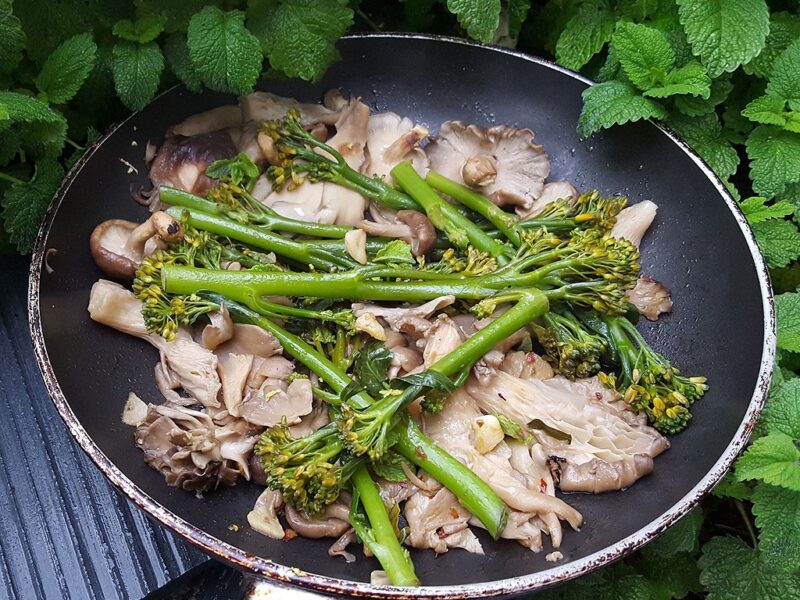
[213, 580]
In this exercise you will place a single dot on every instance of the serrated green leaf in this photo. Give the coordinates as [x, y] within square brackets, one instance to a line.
[585, 34]
[769, 110]
[782, 413]
[137, 71]
[784, 81]
[645, 54]
[777, 512]
[690, 79]
[31, 126]
[774, 459]
[724, 33]
[67, 68]
[479, 18]
[693, 106]
[610, 69]
[25, 203]
[706, 136]
[673, 579]
[224, 53]
[779, 241]
[787, 308]
[145, 29]
[729, 487]
[757, 210]
[784, 28]
[774, 159]
[371, 367]
[730, 570]
[517, 13]
[299, 36]
[47, 24]
[681, 537]
[177, 55]
[615, 103]
[638, 10]
[12, 38]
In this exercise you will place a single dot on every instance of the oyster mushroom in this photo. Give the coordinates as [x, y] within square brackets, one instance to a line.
[503, 162]
[650, 297]
[333, 522]
[408, 225]
[553, 190]
[264, 516]
[390, 139]
[118, 246]
[634, 221]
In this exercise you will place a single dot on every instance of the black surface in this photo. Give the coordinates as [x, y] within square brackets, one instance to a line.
[695, 247]
[64, 531]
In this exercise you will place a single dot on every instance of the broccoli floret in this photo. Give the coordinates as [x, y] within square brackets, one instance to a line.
[574, 350]
[589, 210]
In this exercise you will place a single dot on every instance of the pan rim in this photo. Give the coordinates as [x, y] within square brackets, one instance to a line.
[273, 570]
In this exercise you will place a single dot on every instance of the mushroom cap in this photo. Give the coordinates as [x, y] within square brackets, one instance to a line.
[521, 165]
[107, 244]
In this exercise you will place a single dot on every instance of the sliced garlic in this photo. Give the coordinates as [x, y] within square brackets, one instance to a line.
[135, 411]
[367, 323]
[356, 243]
[488, 433]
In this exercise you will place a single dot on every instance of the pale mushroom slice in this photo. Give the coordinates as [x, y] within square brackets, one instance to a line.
[553, 190]
[263, 106]
[390, 139]
[502, 162]
[634, 221]
[650, 297]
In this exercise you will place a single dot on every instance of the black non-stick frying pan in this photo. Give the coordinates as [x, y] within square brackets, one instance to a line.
[700, 247]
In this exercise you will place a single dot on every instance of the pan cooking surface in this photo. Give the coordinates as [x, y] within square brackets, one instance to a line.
[696, 247]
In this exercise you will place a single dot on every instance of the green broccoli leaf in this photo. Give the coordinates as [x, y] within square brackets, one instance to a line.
[774, 459]
[787, 308]
[238, 169]
[25, 203]
[12, 38]
[371, 367]
[729, 487]
[777, 512]
[31, 126]
[143, 30]
[137, 71]
[585, 34]
[396, 252]
[771, 110]
[615, 103]
[67, 68]
[690, 79]
[731, 570]
[510, 427]
[681, 537]
[757, 210]
[784, 81]
[177, 54]
[645, 54]
[479, 18]
[225, 55]
[779, 241]
[724, 33]
[706, 136]
[695, 106]
[782, 413]
[774, 159]
[390, 467]
[784, 28]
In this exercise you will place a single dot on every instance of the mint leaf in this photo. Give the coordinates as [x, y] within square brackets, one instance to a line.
[694, 106]
[175, 12]
[784, 28]
[779, 241]
[67, 68]
[706, 136]
[137, 72]
[771, 110]
[782, 413]
[674, 579]
[479, 18]
[614, 103]
[638, 10]
[787, 308]
[774, 459]
[645, 54]
[226, 56]
[785, 78]
[144, 30]
[729, 487]
[757, 210]
[690, 79]
[517, 13]
[774, 159]
[177, 54]
[731, 570]
[25, 203]
[584, 35]
[681, 537]
[724, 33]
[31, 126]
[777, 513]
[12, 38]
[299, 36]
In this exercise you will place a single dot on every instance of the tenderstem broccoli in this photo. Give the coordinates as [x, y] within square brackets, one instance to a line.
[574, 350]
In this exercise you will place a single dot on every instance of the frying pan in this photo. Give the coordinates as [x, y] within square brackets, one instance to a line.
[700, 247]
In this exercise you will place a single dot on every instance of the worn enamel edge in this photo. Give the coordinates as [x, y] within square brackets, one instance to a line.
[292, 575]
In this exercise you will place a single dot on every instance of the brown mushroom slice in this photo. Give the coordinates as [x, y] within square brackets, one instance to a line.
[411, 226]
[234, 369]
[264, 516]
[553, 190]
[251, 339]
[221, 117]
[597, 476]
[634, 221]
[650, 297]
[333, 521]
[503, 162]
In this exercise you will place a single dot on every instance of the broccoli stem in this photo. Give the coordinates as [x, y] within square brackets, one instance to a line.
[380, 536]
[266, 218]
[306, 254]
[506, 223]
[445, 217]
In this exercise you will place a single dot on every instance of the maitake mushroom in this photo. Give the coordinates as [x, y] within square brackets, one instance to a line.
[503, 162]
[118, 246]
